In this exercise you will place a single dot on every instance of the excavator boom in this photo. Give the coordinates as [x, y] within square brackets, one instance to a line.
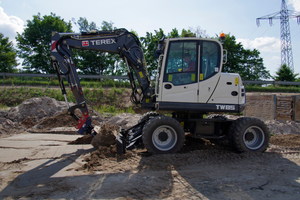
[121, 42]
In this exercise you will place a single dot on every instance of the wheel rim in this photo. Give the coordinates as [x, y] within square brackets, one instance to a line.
[254, 137]
[164, 138]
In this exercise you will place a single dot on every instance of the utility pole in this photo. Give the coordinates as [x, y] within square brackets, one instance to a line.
[285, 35]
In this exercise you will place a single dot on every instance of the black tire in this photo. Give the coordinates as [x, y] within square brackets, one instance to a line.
[147, 116]
[249, 135]
[162, 135]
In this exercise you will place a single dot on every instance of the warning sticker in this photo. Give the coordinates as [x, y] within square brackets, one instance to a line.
[193, 77]
[53, 46]
[141, 74]
[201, 77]
[236, 80]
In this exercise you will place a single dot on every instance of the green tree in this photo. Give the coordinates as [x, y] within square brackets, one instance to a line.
[285, 73]
[150, 42]
[174, 33]
[246, 62]
[8, 55]
[34, 43]
[187, 33]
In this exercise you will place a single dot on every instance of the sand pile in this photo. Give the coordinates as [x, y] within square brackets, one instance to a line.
[36, 108]
[105, 144]
[282, 127]
[86, 139]
[289, 140]
[28, 114]
[42, 114]
[7, 126]
[106, 136]
[62, 122]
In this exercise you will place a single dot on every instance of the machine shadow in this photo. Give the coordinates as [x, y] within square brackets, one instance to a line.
[218, 172]
[26, 184]
[202, 170]
[41, 182]
[245, 177]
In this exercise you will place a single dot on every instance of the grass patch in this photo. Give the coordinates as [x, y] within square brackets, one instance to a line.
[108, 100]
[287, 89]
[3, 106]
[16, 81]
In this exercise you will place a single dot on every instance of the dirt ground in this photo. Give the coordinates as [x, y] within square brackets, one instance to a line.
[203, 169]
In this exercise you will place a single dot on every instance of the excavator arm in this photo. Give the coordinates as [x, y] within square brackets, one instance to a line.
[119, 41]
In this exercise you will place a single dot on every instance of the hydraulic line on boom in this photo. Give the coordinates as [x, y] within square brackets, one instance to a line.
[119, 41]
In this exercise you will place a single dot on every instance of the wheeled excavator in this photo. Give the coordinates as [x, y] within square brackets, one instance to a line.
[189, 83]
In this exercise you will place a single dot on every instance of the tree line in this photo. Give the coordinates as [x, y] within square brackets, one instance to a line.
[33, 47]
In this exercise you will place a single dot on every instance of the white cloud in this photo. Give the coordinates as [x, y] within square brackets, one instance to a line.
[10, 25]
[296, 4]
[263, 44]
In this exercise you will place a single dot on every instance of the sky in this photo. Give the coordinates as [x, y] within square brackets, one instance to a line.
[235, 17]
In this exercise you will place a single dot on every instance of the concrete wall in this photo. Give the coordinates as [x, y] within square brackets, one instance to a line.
[296, 110]
[273, 106]
[260, 106]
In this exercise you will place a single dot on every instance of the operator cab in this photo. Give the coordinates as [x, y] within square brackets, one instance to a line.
[190, 75]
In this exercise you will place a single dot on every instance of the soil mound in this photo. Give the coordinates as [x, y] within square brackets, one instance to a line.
[28, 122]
[105, 143]
[106, 136]
[281, 127]
[62, 119]
[290, 140]
[42, 114]
[36, 108]
[106, 157]
[82, 140]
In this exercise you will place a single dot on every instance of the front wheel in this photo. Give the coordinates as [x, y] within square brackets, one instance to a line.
[147, 116]
[249, 135]
[162, 135]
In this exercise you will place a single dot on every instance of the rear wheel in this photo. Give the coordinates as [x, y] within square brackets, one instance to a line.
[163, 134]
[249, 135]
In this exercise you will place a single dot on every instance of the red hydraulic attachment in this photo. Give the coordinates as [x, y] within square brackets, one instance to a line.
[82, 120]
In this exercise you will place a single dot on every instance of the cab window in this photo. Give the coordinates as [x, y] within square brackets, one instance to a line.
[181, 62]
[210, 59]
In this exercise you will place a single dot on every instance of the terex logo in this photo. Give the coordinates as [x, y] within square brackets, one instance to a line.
[85, 43]
[225, 107]
[103, 41]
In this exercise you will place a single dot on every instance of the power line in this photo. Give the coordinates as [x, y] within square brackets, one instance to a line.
[285, 35]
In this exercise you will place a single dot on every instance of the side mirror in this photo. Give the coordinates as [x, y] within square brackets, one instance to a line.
[160, 47]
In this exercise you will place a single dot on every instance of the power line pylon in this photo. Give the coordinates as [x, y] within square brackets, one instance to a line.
[285, 35]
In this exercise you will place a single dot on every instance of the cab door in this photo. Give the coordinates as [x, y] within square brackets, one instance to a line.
[210, 69]
[180, 80]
